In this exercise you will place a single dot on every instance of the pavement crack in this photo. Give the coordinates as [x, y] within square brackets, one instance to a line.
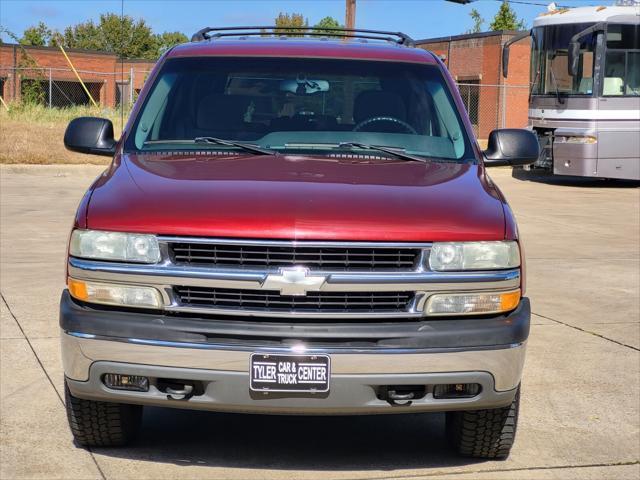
[4, 300]
[587, 331]
[516, 469]
[44, 370]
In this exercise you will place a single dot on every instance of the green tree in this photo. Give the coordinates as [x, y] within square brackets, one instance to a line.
[478, 21]
[284, 22]
[166, 40]
[38, 35]
[56, 39]
[124, 36]
[327, 22]
[506, 19]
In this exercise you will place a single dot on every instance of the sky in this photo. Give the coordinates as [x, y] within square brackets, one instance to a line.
[418, 18]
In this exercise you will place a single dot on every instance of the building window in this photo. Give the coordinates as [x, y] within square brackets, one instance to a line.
[470, 93]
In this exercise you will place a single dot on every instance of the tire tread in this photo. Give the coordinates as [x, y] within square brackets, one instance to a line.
[488, 433]
[101, 424]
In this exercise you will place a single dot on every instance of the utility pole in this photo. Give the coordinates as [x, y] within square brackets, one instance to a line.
[350, 16]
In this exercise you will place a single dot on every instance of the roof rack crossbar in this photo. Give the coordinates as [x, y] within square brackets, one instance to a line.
[217, 32]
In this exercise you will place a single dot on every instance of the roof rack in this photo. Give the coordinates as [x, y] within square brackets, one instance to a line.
[211, 33]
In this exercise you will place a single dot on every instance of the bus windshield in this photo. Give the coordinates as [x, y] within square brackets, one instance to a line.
[549, 57]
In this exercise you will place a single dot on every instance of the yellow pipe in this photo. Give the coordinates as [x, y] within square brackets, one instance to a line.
[4, 104]
[78, 76]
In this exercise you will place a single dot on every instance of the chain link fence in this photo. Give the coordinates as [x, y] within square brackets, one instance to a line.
[494, 106]
[60, 87]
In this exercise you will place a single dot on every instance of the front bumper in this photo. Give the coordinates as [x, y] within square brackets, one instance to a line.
[487, 351]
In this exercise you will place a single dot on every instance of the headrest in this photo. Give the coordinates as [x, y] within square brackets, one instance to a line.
[218, 111]
[376, 103]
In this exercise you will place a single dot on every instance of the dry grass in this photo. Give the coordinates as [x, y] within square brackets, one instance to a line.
[33, 135]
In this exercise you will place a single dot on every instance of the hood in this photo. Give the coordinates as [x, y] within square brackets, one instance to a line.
[296, 197]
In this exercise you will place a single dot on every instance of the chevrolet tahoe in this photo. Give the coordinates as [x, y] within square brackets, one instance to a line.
[296, 225]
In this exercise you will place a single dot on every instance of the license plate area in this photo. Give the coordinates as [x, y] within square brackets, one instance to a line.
[289, 373]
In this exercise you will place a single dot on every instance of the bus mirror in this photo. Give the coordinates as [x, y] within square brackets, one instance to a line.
[505, 61]
[574, 57]
[505, 50]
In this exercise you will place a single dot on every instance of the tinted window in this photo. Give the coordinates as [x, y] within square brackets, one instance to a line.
[277, 103]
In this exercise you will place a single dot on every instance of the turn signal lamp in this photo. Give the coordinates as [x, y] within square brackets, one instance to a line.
[115, 294]
[472, 303]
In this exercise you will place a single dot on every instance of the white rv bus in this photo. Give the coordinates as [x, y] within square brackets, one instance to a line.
[584, 101]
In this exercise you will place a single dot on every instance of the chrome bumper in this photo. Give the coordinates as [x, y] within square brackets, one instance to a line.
[354, 376]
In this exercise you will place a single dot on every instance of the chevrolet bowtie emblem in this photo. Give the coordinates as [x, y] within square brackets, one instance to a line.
[294, 281]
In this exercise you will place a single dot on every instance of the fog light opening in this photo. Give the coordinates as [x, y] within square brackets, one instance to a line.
[118, 381]
[456, 390]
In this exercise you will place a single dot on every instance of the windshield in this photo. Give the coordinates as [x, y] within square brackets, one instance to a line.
[549, 66]
[300, 104]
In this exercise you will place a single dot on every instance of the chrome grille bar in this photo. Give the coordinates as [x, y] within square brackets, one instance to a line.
[322, 258]
[313, 301]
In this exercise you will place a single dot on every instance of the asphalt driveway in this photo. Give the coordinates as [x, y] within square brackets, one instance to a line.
[580, 415]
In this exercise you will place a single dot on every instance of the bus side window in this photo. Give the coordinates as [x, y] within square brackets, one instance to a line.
[614, 74]
[633, 73]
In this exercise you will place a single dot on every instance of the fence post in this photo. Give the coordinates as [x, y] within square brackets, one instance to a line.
[131, 87]
[50, 88]
[504, 106]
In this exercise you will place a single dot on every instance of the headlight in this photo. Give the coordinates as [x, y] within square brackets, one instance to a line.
[472, 303]
[474, 255]
[115, 294]
[125, 247]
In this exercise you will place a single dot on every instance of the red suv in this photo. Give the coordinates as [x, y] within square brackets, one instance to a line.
[296, 225]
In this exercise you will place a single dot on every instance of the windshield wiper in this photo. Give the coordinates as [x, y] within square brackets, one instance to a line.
[555, 86]
[391, 151]
[215, 141]
[229, 143]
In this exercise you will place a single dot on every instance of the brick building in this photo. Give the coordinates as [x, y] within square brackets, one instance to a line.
[108, 79]
[475, 61]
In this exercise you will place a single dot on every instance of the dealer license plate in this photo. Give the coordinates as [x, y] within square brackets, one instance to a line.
[290, 373]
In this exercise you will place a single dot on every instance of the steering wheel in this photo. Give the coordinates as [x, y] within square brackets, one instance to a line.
[393, 120]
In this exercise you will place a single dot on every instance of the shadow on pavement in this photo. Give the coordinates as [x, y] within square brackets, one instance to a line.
[381, 442]
[565, 181]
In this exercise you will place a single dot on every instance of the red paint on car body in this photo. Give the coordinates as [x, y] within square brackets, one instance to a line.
[297, 197]
[309, 48]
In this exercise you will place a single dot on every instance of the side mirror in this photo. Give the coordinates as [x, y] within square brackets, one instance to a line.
[511, 146]
[90, 135]
[574, 58]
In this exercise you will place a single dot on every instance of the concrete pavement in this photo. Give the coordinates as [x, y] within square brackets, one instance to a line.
[580, 414]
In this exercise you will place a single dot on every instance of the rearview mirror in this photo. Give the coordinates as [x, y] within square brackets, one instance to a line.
[90, 135]
[574, 58]
[304, 86]
[511, 146]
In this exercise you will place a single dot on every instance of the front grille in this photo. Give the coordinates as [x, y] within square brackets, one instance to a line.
[271, 300]
[323, 258]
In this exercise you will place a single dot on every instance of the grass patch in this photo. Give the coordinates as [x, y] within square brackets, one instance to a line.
[33, 134]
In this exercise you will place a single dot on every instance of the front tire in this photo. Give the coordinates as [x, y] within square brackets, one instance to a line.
[101, 424]
[488, 433]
